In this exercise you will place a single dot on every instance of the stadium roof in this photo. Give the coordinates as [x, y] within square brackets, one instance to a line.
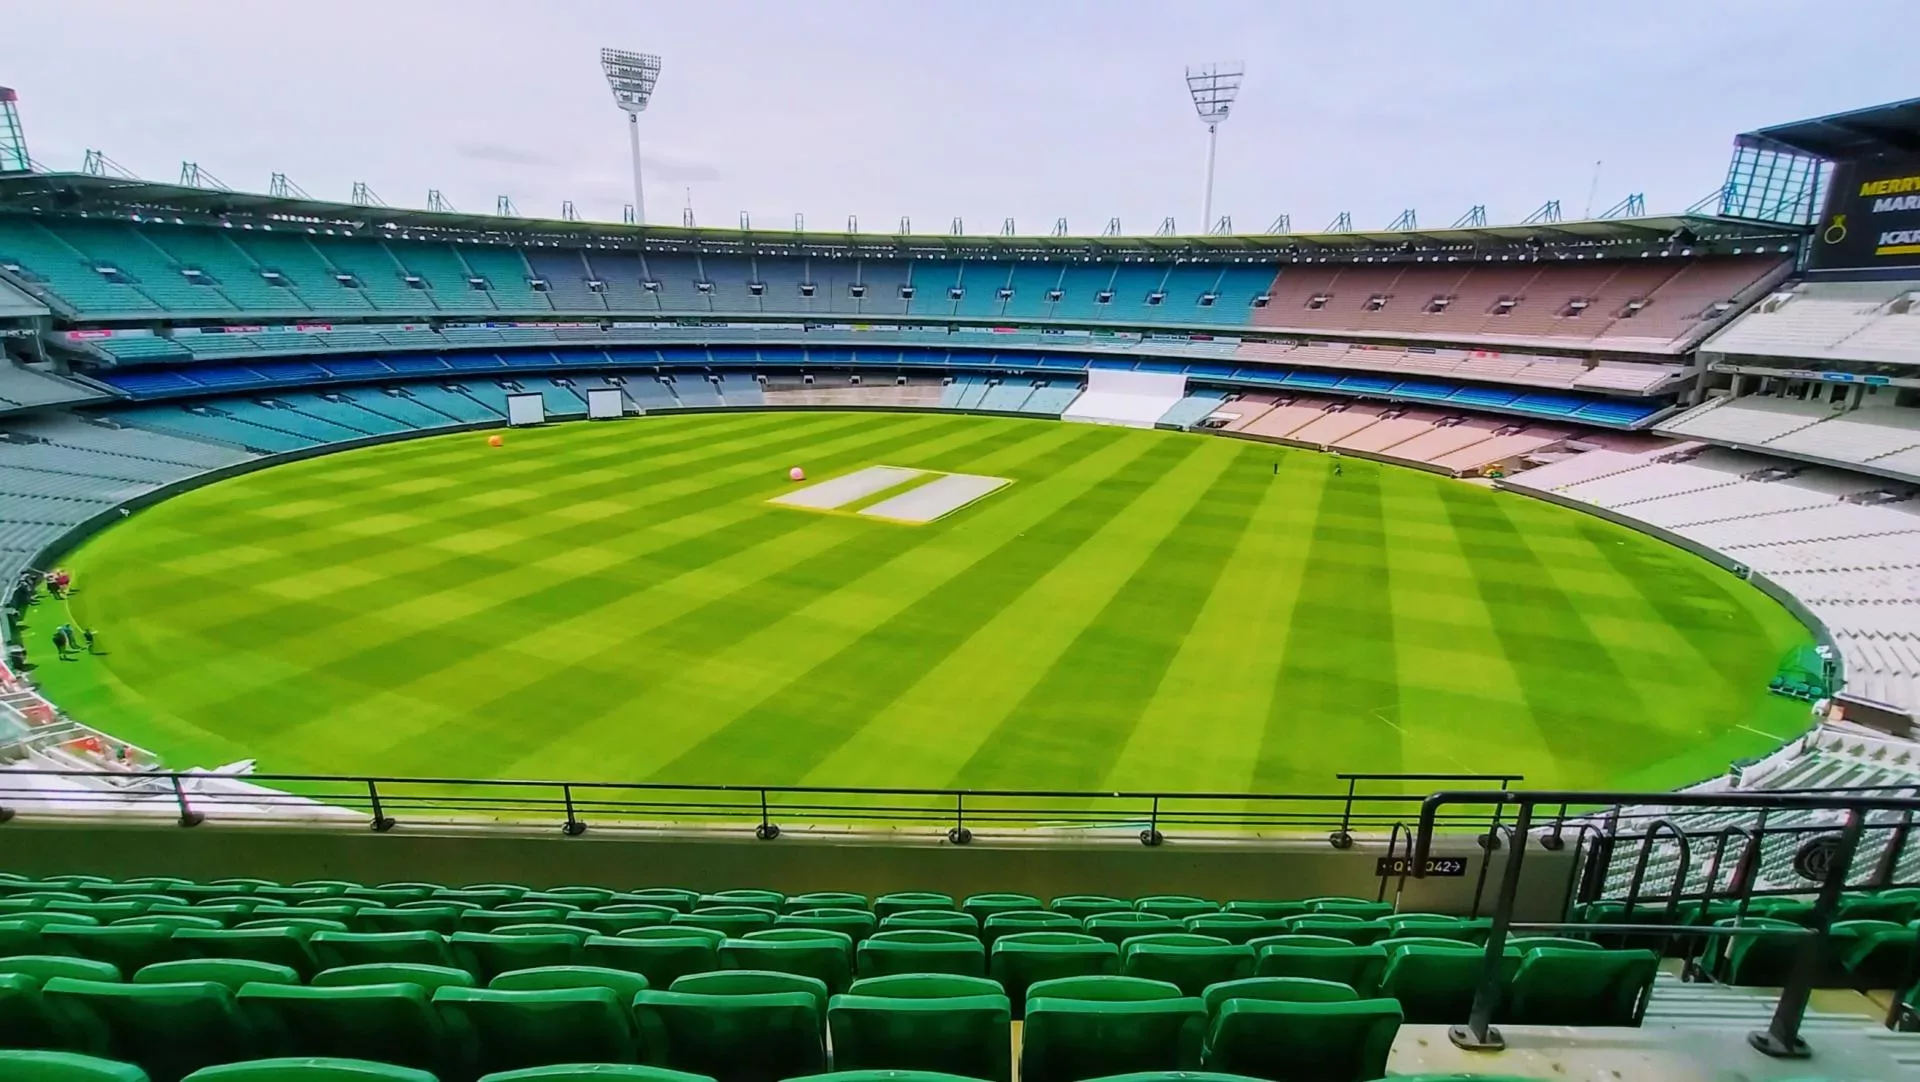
[80, 193]
[1893, 128]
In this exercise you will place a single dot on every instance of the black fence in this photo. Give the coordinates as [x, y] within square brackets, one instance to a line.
[1376, 803]
[1839, 840]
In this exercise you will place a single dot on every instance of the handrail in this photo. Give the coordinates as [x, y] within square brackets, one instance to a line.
[572, 804]
[1827, 860]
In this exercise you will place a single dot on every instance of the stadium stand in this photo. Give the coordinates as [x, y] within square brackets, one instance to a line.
[1873, 321]
[1877, 436]
[191, 976]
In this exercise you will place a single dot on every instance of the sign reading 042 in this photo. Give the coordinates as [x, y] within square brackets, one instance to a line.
[1873, 217]
[1436, 867]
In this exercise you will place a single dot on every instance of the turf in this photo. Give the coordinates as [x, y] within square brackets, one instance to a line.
[1138, 610]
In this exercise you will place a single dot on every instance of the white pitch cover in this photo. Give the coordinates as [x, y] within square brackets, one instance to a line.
[526, 409]
[1118, 397]
[605, 404]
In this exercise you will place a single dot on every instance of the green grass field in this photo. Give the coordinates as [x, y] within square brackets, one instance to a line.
[1139, 610]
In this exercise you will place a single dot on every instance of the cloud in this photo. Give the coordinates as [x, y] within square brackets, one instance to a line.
[502, 155]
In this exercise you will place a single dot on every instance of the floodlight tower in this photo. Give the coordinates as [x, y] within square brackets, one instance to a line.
[1213, 87]
[631, 77]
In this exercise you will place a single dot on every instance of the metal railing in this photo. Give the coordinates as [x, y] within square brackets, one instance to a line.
[1824, 859]
[383, 803]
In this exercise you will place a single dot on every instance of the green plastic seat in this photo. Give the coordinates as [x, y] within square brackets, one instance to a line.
[1525, 943]
[824, 899]
[674, 898]
[1559, 987]
[440, 919]
[1177, 906]
[484, 895]
[35, 1065]
[389, 894]
[1191, 962]
[43, 967]
[543, 928]
[47, 918]
[1434, 983]
[604, 923]
[1087, 905]
[596, 1072]
[1326, 1041]
[945, 920]
[332, 950]
[967, 1035]
[1759, 961]
[386, 1023]
[583, 896]
[1237, 928]
[128, 946]
[1358, 932]
[492, 920]
[1117, 928]
[537, 907]
[732, 921]
[487, 955]
[227, 913]
[922, 950]
[1327, 960]
[243, 885]
[1066, 1040]
[1351, 907]
[229, 973]
[169, 1030]
[764, 1037]
[659, 960]
[1881, 957]
[280, 946]
[172, 922]
[911, 901]
[1280, 989]
[304, 925]
[754, 982]
[429, 978]
[926, 986]
[505, 1031]
[309, 1069]
[1013, 922]
[26, 1019]
[984, 906]
[105, 912]
[1021, 959]
[1104, 988]
[857, 924]
[1433, 926]
[752, 899]
[827, 956]
[436, 901]
[323, 908]
[1895, 906]
[624, 984]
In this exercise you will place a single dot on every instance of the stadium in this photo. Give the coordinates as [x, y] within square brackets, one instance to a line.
[475, 646]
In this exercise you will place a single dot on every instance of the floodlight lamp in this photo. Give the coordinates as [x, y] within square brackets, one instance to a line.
[631, 76]
[1213, 87]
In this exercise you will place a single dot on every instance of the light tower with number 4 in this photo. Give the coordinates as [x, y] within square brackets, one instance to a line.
[1213, 86]
[631, 77]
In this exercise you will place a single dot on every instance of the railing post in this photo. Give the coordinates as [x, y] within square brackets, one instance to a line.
[573, 827]
[1489, 842]
[1781, 1038]
[766, 831]
[1478, 1035]
[382, 822]
[188, 817]
[1343, 838]
[959, 835]
[1152, 836]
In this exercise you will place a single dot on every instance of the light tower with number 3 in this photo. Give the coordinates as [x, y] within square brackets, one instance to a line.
[631, 77]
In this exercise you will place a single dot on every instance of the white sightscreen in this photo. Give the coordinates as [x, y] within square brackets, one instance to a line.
[526, 409]
[605, 403]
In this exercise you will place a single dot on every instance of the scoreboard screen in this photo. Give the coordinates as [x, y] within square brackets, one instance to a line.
[1872, 221]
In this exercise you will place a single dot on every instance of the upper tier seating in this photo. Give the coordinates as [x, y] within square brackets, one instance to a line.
[1848, 321]
[99, 267]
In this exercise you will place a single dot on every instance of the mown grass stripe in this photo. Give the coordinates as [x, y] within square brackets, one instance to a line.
[1337, 691]
[1072, 727]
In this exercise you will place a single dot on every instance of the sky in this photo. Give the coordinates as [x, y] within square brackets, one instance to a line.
[983, 110]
